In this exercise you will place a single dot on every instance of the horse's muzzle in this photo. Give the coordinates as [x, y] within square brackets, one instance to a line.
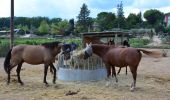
[86, 55]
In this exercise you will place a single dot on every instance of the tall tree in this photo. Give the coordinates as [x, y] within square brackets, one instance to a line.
[84, 21]
[70, 28]
[120, 16]
[139, 15]
[133, 21]
[154, 17]
[106, 20]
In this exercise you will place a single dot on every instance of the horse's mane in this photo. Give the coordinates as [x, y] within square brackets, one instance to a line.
[51, 45]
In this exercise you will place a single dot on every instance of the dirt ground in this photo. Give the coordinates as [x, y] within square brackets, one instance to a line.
[153, 83]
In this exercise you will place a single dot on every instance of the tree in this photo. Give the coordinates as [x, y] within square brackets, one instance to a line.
[154, 17]
[133, 21]
[84, 21]
[106, 20]
[25, 28]
[59, 28]
[22, 28]
[43, 28]
[70, 28]
[120, 16]
[55, 20]
[139, 15]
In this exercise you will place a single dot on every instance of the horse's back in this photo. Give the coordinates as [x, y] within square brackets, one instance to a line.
[121, 57]
[30, 53]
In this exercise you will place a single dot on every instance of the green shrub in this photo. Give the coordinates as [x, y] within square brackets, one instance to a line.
[136, 42]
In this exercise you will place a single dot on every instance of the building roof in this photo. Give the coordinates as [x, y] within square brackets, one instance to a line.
[106, 34]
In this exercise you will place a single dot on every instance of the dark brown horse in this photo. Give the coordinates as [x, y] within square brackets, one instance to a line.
[119, 57]
[33, 54]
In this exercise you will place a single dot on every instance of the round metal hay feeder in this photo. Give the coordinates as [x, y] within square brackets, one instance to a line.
[92, 70]
[81, 75]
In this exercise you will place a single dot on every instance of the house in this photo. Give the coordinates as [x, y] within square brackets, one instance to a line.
[167, 19]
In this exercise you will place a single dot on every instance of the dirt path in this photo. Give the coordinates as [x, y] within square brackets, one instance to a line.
[153, 83]
[156, 41]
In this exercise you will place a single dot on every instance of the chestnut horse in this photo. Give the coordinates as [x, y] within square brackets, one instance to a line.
[34, 54]
[96, 40]
[119, 57]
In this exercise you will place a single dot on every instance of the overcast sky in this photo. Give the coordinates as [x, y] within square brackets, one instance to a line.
[67, 9]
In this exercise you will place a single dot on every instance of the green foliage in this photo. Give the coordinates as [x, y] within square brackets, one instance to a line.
[154, 16]
[136, 42]
[70, 27]
[4, 42]
[106, 20]
[25, 28]
[84, 21]
[120, 16]
[134, 21]
[44, 28]
[60, 27]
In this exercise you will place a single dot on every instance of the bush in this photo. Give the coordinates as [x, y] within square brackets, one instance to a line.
[4, 50]
[136, 42]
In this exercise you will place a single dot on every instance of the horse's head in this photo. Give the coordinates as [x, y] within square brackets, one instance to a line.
[73, 46]
[88, 51]
[66, 49]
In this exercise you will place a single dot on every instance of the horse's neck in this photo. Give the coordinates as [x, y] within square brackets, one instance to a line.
[100, 50]
[57, 51]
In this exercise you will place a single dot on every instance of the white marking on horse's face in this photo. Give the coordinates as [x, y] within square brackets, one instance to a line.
[88, 49]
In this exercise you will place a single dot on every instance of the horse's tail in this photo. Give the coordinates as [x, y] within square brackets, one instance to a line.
[155, 54]
[7, 61]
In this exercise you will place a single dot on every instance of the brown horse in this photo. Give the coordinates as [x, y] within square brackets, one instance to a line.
[31, 54]
[96, 40]
[119, 57]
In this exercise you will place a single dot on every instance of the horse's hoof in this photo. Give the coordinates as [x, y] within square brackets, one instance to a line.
[116, 84]
[22, 84]
[132, 89]
[46, 84]
[54, 82]
[7, 83]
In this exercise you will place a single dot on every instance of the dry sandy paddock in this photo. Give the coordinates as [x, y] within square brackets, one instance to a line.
[153, 83]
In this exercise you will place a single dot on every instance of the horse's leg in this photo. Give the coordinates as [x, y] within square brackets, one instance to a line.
[119, 71]
[108, 75]
[126, 70]
[114, 73]
[51, 70]
[9, 72]
[54, 69]
[18, 73]
[45, 74]
[134, 74]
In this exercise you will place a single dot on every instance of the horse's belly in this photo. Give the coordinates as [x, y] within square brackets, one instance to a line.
[33, 61]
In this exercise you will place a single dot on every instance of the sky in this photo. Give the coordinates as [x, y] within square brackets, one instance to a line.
[67, 9]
